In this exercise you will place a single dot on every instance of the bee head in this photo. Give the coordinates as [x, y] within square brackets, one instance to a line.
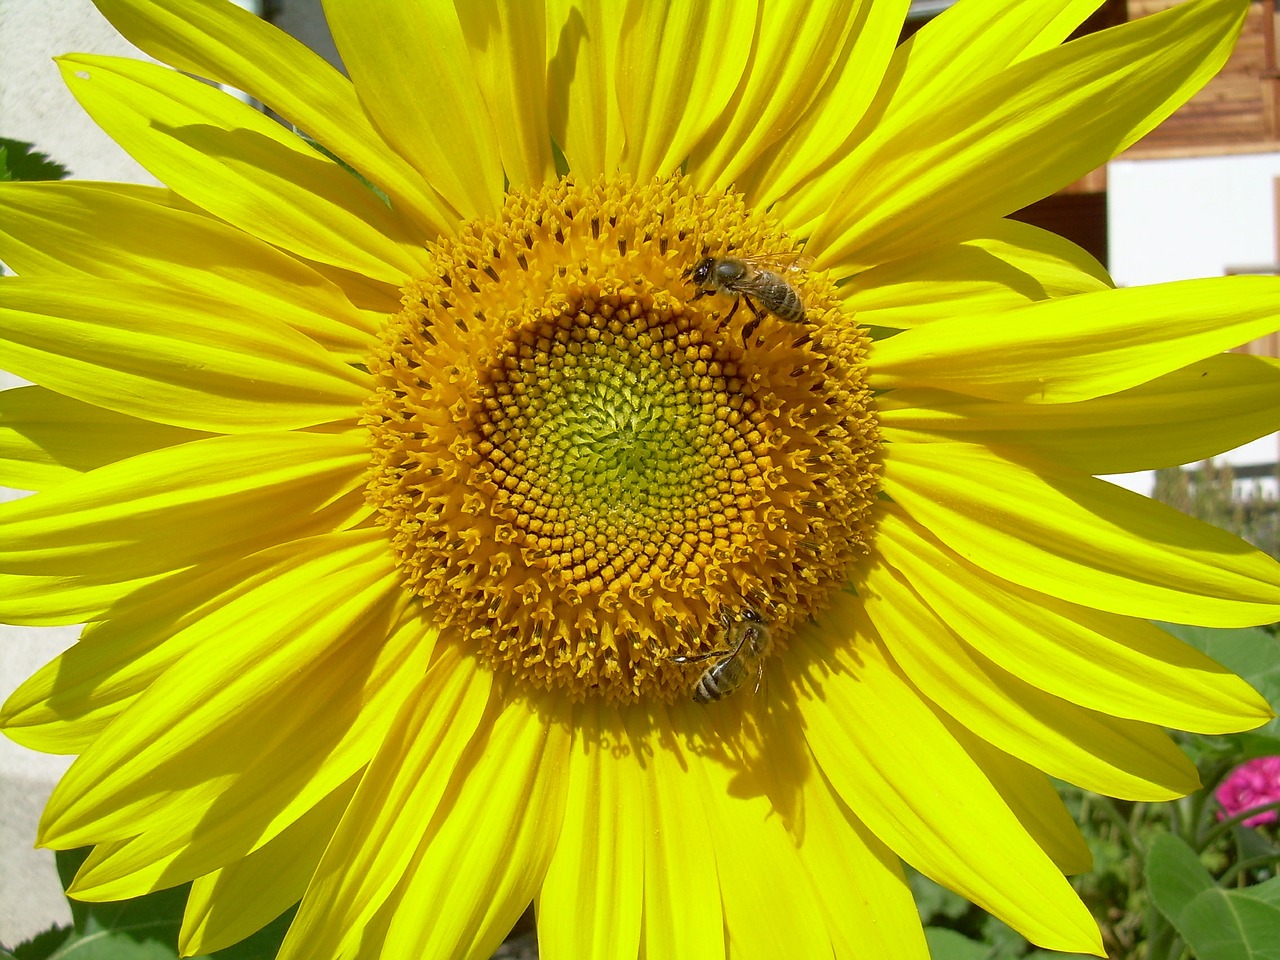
[702, 271]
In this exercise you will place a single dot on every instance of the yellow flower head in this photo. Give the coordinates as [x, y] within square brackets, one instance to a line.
[620, 458]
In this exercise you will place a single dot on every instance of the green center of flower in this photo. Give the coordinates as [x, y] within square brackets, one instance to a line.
[602, 424]
[591, 465]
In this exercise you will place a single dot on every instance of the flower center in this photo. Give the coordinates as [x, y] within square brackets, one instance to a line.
[602, 468]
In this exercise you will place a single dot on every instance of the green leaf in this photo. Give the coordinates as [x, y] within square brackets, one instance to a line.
[946, 944]
[1217, 924]
[1268, 892]
[109, 945]
[1175, 875]
[1226, 925]
[20, 161]
[1251, 745]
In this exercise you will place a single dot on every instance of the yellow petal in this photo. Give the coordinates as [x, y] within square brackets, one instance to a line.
[47, 439]
[179, 358]
[964, 45]
[824, 129]
[1016, 137]
[507, 42]
[68, 702]
[1077, 348]
[770, 902]
[433, 742]
[53, 600]
[242, 166]
[1208, 407]
[867, 902]
[412, 70]
[869, 730]
[969, 42]
[1081, 539]
[93, 230]
[682, 904]
[799, 45]
[1033, 800]
[223, 42]
[591, 902]
[670, 88]
[1009, 265]
[1105, 754]
[278, 675]
[186, 504]
[229, 904]
[330, 734]
[582, 53]
[1118, 665]
[482, 856]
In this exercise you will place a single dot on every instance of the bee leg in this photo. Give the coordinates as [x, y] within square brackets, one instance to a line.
[752, 326]
[755, 311]
[734, 309]
[699, 295]
[701, 656]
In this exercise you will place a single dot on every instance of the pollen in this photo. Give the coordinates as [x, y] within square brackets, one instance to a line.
[589, 466]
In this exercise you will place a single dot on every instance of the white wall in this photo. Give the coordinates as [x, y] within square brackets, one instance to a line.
[1187, 218]
[1197, 217]
[35, 105]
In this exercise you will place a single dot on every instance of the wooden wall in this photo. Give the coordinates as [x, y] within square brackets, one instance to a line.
[1237, 111]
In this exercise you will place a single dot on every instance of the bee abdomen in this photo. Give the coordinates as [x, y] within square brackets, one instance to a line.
[791, 308]
[781, 298]
[707, 690]
[719, 681]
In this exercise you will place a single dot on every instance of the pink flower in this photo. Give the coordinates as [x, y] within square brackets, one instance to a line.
[1251, 784]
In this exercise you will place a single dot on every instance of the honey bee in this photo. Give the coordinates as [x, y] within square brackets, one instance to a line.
[749, 642]
[760, 277]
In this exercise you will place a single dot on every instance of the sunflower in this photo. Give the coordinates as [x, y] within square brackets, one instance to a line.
[619, 459]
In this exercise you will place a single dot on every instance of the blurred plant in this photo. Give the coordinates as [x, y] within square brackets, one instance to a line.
[1216, 493]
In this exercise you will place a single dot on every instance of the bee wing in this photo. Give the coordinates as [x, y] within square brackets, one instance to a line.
[780, 262]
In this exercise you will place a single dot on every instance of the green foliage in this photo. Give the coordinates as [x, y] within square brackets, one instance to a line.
[20, 161]
[1216, 923]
